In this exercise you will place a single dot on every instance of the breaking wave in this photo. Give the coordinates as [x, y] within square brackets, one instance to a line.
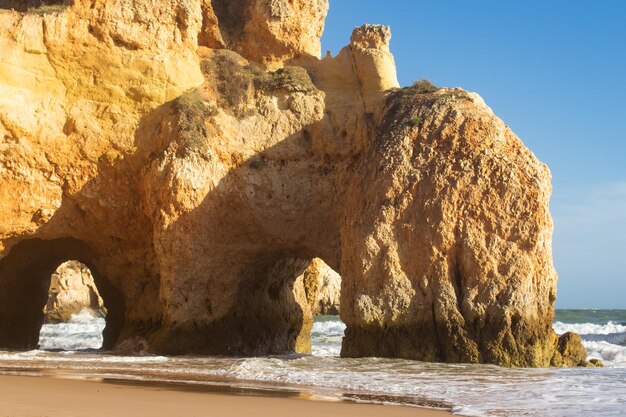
[83, 331]
[602, 341]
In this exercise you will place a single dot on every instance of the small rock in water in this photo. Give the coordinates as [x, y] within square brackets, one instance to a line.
[570, 351]
[596, 363]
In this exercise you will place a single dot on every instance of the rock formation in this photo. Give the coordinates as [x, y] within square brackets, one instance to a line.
[72, 290]
[196, 155]
[322, 287]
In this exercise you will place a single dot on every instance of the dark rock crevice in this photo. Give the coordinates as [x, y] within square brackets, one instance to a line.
[35, 6]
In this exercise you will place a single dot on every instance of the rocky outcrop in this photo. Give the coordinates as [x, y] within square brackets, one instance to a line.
[449, 231]
[570, 352]
[322, 287]
[196, 156]
[72, 291]
[269, 32]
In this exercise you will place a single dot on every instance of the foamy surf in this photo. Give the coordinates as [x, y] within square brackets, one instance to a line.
[469, 390]
[326, 336]
[83, 331]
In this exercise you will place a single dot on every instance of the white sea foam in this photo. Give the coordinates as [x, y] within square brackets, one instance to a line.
[83, 331]
[610, 354]
[589, 328]
[602, 341]
[329, 327]
[326, 337]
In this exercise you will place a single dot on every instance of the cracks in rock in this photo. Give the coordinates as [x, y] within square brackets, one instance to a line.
[457, 282]
[440, 343]
[11, 133]
[122, 43]
[358, 79]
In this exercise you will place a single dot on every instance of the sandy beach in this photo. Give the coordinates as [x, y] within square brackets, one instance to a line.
[56, 397]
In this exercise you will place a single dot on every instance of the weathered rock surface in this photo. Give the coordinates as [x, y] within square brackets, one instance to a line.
[266, 31]
[148, 140]
[450, 234]
[322, 287]
[570, 352]
[72, 290]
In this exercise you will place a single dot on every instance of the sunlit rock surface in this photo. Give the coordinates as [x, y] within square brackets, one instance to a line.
[196, 156]
[72, 290]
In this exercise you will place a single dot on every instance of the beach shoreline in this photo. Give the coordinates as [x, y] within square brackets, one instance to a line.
[45, 396]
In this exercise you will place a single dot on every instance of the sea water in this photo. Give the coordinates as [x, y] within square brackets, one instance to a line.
[469, 390]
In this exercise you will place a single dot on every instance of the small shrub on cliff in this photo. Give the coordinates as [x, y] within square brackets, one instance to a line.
[58, 8]
[415, 121]
[192, 109]
[418, 91]
[423, 87]
[257, 162]
[291, 79]
[234, 82]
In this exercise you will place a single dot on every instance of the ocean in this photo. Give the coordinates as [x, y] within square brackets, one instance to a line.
[468, 390]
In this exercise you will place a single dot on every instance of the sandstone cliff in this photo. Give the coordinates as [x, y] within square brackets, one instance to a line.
[196, 155]
[72, 291]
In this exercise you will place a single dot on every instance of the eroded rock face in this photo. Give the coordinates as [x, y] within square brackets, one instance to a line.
[448, 227]
[570, 352]
[322, 286]
[265, 31]
[150, 141]
[72, 290]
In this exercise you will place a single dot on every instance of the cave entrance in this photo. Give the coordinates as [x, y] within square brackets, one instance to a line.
[25, 280]
[323, 288]
[75, 314]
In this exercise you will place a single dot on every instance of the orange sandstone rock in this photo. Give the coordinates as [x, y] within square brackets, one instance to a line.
[197, 155]
[72, 290]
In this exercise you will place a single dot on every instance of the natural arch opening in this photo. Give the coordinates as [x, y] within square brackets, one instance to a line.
[35, 6]
[75, 314]
[269, 312]
[25, 278]
[322, 286]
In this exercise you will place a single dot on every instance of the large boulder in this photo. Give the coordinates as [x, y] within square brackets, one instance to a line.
[571, 352]
[447, 238]
[269, 32]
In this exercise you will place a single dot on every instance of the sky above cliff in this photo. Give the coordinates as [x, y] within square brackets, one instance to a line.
[555, 72]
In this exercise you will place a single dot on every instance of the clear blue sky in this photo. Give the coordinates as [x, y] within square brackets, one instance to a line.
[555, 72]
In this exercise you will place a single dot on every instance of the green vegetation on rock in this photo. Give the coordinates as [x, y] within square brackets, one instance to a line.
[193, 109]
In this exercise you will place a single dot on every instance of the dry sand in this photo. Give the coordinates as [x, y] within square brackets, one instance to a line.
[54, 397]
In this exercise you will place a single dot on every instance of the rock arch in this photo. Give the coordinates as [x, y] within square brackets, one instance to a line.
[24, 282]
[207, 183]
[263, 314]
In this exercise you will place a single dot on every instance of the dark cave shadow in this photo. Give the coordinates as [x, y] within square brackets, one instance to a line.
[26, 274]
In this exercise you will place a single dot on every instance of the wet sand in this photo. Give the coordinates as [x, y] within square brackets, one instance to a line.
[22, 396]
